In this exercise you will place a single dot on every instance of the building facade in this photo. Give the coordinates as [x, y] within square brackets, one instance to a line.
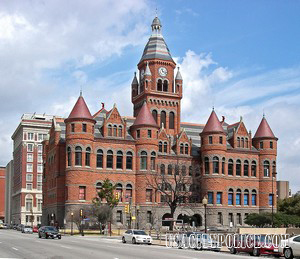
[283, 190]
[9, 173]
[26, 197]
[2, 193]
[228, 166]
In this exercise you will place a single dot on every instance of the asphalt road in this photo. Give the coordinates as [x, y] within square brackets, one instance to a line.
[14, 244]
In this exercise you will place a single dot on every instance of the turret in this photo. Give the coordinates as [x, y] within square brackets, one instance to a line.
[178, 83]
[134, 86]
[213, 136]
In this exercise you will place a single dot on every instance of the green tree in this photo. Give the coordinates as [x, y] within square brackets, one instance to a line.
[259, 220]
[104, 203]
[290, 206]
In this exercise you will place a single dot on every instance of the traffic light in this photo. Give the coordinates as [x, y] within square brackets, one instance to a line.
[81, 212]
[117, 195]
[126, 208]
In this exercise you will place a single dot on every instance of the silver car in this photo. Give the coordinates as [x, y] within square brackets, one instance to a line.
[27, 229]
[136, 237]
[290, 247]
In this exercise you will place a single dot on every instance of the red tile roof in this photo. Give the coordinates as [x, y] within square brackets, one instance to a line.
[264, 130]
[145, 117]
[213, 124]
[80, 110]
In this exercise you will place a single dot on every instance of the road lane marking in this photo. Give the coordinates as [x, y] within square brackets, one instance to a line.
[66, 247]
[15, 248]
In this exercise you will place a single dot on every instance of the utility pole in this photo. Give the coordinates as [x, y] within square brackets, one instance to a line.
[273, 175]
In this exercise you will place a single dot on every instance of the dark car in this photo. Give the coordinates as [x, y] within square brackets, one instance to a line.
[257, 247]
[49, 232]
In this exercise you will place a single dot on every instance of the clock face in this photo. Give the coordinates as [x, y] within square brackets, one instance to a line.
[162, 71]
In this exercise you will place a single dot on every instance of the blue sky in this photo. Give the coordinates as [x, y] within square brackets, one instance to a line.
[243, 57]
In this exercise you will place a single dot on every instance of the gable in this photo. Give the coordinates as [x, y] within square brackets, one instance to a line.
[114, 117]
[242, 129]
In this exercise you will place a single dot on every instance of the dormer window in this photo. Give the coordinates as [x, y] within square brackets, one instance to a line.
[84, 127]
[109, 130]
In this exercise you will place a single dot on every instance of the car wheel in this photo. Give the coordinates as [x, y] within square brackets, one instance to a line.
[232, 250]
[123, 240]
[149, 244]
[46, 236]
[133, 241]
[288, 253]
[256, 252]
[59, 237]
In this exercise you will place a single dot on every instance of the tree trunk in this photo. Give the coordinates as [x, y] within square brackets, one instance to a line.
[173, 208]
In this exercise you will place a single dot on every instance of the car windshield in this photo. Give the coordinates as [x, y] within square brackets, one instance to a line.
[139, 232]
[50, 229]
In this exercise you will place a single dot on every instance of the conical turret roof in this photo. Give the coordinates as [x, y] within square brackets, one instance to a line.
[80, 110]
[213, 124]
[145, 117]
[156, 46]
[264, 130]
[178, 75]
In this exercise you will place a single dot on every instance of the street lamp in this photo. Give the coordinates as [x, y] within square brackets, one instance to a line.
[52, 219]
[273, 175]
[72, 215]
[204, 202]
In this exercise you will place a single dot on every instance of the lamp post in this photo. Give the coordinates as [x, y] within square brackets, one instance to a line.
[52, 219]
[72, 215]
[273, 175]
[204, 202]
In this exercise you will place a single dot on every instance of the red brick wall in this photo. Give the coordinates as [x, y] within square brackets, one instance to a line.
[2, 192]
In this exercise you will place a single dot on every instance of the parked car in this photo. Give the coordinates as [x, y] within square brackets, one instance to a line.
[49, 232]
[257, 247]
[20, 227]
[27, 229]
[290, 247]
[137, 237]
[35, 229]
[198, 241]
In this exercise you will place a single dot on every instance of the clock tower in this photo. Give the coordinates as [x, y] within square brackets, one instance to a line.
[156, 83]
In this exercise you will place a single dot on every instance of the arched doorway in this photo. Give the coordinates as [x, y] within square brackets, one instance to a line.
[165, 221]
[186, 219]
[197, 219]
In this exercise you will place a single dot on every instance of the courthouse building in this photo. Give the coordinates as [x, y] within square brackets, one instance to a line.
[232, 168]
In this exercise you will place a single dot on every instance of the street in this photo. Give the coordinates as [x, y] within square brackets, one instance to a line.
[14, 244]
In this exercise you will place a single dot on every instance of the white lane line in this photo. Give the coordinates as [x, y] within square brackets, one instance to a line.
[15, 248]
[66, 247]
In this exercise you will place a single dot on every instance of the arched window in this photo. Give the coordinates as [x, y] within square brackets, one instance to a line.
[246, 142]
[181, 148]
[176, 169]
[88, 156]
[165, 86]
[230, 196]
[153, 157]
[183, 170]
[223, 165]
[170, 169]
[69, 156]
[186, 149]
[115, 131]
[190, 170]
[160, 146]
[78, 156]
[154, 114]
[143, 164]
[99, 158]
[119, 160]
[163, 119]
[119, 191]
[98, 186]
[253, 197]
[215, 165]
[128, 193]
[171, 120]
[159, 85]
[238, 197]
[165, 147]
[238, 168]
[162, 169]
[246, 168]
[129, 160]
[206, 165]
[274, 169]
[109, 159]
[239, 141]
[230, 167]
[243, 143]
[120, 131]
[109, 130]
[253, 168]
[266, 168]
[246, 197]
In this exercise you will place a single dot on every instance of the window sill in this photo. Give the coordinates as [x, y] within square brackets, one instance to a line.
[82, 200]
